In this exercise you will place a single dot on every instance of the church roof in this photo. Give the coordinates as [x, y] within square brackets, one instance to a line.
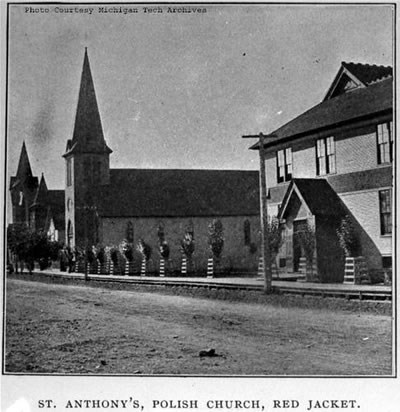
[358, 104]
[24, 179]
[56, 201]
[180, 193]
[41, 193]
[317, 194]
[24, 167]
[88, 132]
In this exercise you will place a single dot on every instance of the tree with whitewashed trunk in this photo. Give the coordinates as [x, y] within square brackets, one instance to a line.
[216, 239]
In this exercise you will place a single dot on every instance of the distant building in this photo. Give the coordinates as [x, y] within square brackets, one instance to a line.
[34, 204]
[335, 160]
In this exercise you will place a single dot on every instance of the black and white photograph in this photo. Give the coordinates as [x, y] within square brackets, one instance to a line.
[199, 192]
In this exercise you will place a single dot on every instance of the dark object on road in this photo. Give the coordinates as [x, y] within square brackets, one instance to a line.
[210, 353]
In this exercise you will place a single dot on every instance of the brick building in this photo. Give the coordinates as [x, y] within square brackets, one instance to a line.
[335, 160]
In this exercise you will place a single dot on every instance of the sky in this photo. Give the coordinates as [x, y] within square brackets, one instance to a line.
[178, 90]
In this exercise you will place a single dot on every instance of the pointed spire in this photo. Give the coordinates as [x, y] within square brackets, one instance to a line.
[41, 192]
[88, 132]
[24, 167]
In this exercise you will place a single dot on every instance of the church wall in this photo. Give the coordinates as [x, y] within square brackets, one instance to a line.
[236, 255]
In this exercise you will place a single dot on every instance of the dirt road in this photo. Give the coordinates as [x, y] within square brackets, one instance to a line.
[81, 330]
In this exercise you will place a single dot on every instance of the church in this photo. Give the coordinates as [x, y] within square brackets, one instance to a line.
[104, 206]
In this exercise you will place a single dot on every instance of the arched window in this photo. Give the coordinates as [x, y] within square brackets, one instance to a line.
[70, 234]
[161, 232]
[129, 232]
[247, 232]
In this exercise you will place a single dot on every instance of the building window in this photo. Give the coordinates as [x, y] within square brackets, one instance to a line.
[69, 172]
[247, 232]
[385, 210]
[326, 161]
[284, 163]
[384, 134]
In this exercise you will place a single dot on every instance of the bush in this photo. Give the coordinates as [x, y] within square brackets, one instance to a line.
[348, 238]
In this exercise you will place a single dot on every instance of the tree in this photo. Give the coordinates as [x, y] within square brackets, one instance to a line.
[274, 236]
[144, 249]
[216, 238]
[187, 244]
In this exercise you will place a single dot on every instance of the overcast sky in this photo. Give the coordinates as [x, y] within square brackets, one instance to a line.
[179, 90]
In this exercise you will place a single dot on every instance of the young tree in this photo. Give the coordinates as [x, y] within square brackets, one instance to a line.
[216, 238]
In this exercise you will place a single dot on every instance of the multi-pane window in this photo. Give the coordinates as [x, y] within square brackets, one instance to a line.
[384, 133]
[284, 163]
[385, 210]
[326, 161]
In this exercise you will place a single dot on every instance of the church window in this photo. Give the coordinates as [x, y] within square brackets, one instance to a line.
[326, 157]
[69, 172]
[161, 232]
[70, 234]
[247, 232]
[284, 164]
[384, 133]
[385, 209]
[129, 232]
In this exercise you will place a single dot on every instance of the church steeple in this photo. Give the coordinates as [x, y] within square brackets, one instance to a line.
[88, 132]
[24, 170]
[87, 161]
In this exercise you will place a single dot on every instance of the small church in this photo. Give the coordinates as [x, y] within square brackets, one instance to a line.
[104, 206]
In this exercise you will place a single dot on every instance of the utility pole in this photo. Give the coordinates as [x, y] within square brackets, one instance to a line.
[266, 255]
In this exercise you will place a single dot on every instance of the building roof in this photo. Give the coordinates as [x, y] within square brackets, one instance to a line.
[356, 75]
[88, 132]
[318, 195]
[179, 193]
[24, 167]
[56, 202]
[339, 110]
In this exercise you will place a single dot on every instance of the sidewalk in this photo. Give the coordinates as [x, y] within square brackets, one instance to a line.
[256, 283]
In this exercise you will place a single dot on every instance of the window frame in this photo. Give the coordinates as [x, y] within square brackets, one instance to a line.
[384, 147]
[385, 212]
[325, 154]
[284, 165]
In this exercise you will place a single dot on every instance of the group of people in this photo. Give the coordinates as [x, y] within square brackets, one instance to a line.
[68, 258]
